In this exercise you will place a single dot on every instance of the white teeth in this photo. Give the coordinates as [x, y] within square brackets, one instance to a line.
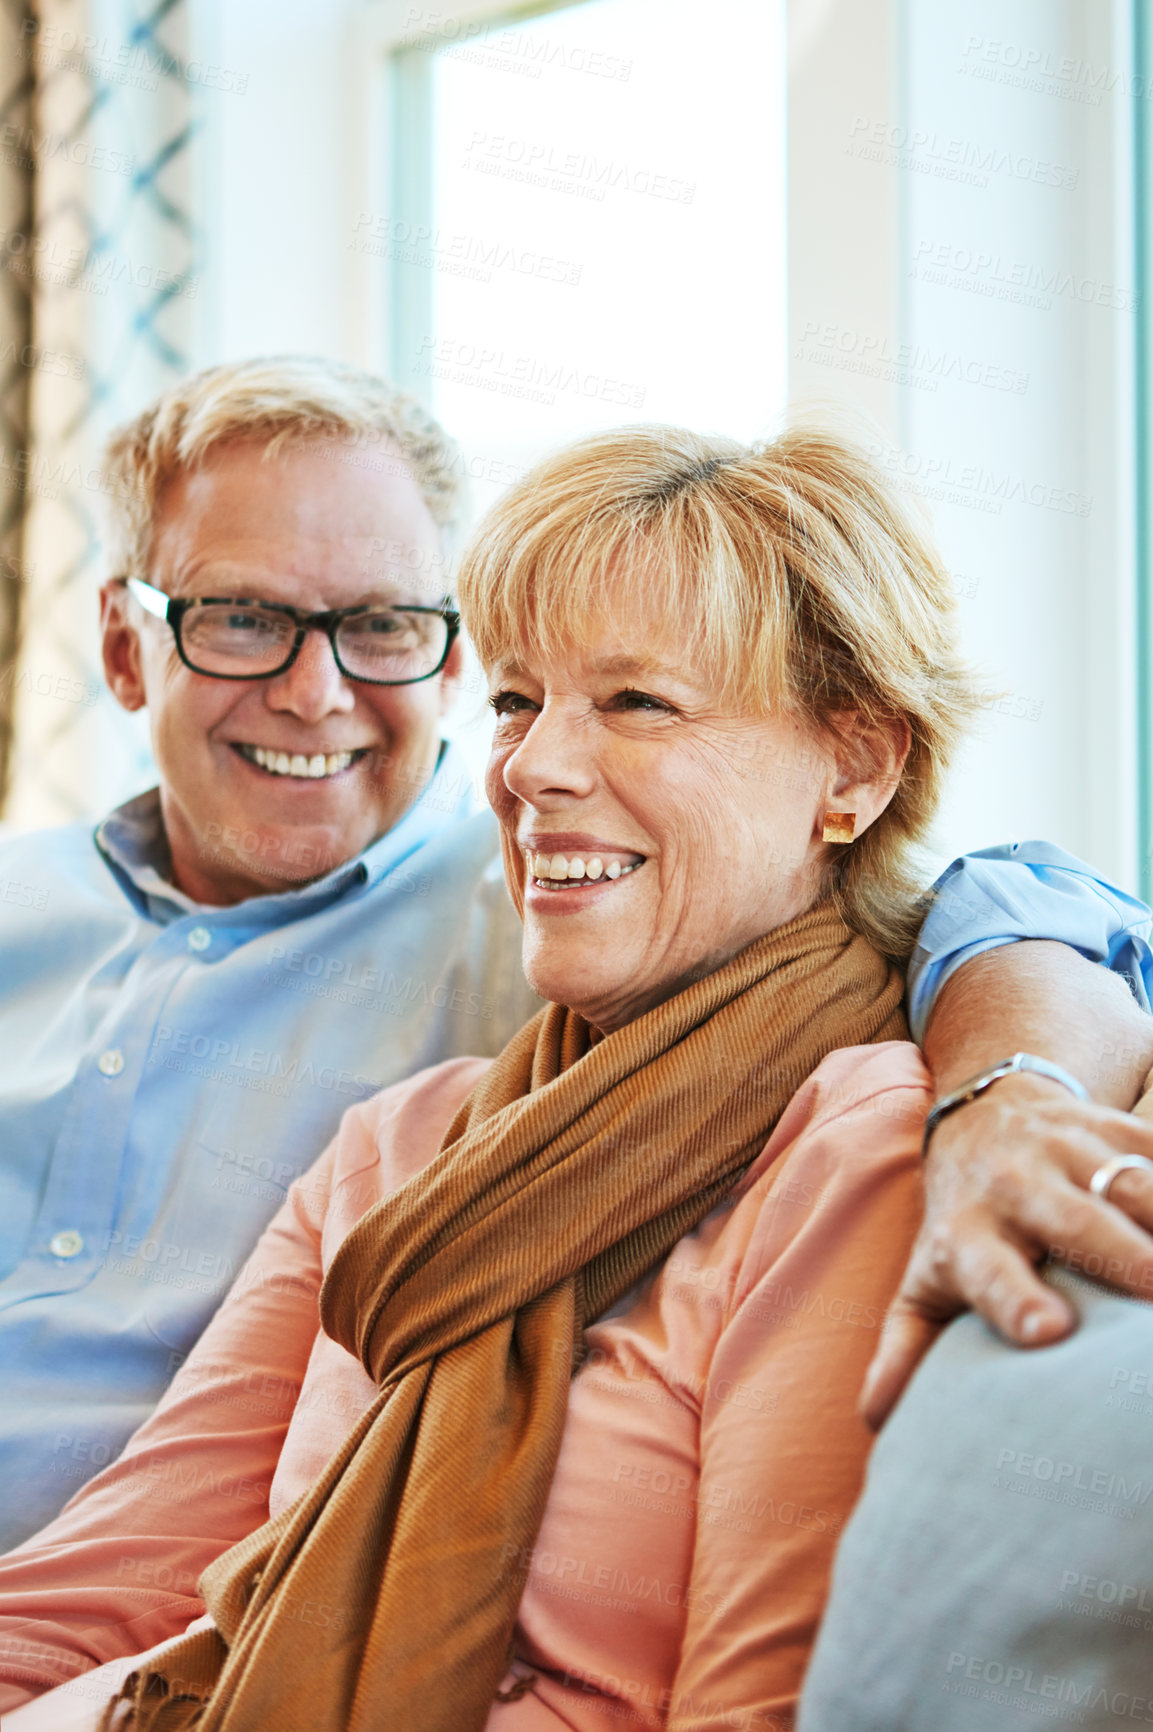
[555, 868]
[314, 768]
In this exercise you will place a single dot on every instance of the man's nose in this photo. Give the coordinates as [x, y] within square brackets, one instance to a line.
[313, 687]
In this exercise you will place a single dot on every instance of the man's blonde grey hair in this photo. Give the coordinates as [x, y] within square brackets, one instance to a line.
[797, 581]
[277, 400]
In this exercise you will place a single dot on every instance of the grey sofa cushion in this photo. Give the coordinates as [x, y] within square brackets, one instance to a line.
[998, 1571]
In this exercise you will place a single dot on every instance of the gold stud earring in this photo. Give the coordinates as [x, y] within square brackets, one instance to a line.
[839, 827]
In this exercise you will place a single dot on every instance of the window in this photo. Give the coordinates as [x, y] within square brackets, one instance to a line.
[588, 224]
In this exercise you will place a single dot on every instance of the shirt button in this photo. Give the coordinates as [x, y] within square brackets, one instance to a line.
[67, 1244]
[199, 938]
[110, 1063]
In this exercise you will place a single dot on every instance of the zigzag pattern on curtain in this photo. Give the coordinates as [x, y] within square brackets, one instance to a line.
[109, 265]
[17, 85]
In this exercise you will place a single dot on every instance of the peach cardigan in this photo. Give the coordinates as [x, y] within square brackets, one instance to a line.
[711, 1456]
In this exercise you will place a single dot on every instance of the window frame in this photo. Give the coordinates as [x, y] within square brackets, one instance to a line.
[1142, 27]
[391, 64]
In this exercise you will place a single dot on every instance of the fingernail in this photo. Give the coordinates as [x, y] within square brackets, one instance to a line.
[1032, 1325]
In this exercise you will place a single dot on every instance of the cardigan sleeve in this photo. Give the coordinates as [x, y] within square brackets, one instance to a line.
[782, 1448]
[117, 1571]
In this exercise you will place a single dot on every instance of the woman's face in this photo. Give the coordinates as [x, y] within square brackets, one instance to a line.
[694, 830]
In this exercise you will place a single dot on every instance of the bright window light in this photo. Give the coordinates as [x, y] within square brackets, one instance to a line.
[608, 213]
[604, 197]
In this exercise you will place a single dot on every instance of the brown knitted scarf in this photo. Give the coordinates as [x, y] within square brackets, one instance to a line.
[385, 1597]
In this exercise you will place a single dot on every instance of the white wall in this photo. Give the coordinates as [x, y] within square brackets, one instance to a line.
[984, 317]
[279, 176]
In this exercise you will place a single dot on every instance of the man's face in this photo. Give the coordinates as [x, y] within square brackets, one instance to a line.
[317, 526]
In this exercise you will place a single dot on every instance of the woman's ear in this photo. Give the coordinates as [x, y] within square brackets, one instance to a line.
[869, 756]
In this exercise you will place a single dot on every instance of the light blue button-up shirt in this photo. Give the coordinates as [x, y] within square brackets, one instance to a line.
[167, 1069]
[1026, 890]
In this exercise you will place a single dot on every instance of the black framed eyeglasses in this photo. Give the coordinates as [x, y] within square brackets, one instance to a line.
[237, 638]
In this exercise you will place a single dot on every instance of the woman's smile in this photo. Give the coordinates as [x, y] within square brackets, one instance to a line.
[556, 864]
[630, 795]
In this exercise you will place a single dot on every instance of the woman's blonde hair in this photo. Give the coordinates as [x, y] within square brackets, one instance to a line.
[276, 401]
[793, 573]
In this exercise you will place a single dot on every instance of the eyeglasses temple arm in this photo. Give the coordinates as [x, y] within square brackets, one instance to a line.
[154, 600]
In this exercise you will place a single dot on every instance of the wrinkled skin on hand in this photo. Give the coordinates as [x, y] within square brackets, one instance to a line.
[1007, 1176]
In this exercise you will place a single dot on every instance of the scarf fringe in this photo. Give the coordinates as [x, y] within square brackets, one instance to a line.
[150, 1701]
[149, 1709]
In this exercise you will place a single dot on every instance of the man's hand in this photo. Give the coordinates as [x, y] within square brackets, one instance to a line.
[1006, 1186]
[1007, 1176]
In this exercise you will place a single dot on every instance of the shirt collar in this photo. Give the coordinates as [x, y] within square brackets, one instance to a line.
[133, 841]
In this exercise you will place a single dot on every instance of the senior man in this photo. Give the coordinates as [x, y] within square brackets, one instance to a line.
[306, 910]
[301, 913]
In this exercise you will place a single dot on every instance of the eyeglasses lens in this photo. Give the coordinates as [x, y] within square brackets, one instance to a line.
[226, 640]
[385, 644]
[391, 644]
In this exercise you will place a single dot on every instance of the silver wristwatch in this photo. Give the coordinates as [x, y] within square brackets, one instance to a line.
[976, 1085]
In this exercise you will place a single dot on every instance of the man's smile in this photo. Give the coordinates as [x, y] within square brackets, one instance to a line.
[315, 766]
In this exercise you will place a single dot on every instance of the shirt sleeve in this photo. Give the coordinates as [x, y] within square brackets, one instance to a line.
[117, 1570]
[782, 1447]
[1026, 890]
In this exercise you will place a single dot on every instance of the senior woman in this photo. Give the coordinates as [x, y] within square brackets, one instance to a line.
[600, 1311]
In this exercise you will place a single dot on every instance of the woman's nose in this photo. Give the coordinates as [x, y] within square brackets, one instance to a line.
[555, 760]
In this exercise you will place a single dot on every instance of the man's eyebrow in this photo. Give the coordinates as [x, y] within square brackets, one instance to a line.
[230, 581]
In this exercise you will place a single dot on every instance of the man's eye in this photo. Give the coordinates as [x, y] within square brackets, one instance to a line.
[247, 622]
[393, 624]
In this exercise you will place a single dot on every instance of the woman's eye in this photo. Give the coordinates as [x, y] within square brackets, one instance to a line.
[633, 700]
[509, 703]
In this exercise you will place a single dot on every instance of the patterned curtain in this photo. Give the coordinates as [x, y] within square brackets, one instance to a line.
[106, 273]
[16, 87]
